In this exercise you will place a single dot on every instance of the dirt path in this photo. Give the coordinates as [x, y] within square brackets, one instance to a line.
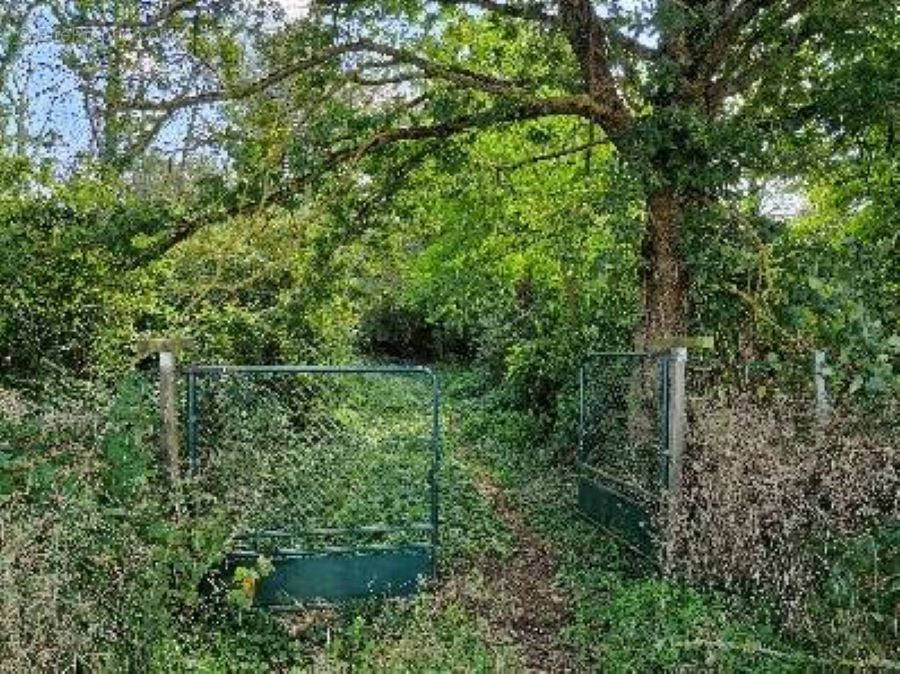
[521, 602]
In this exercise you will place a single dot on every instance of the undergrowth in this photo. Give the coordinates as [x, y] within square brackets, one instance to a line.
[625, 616]
[97, 572]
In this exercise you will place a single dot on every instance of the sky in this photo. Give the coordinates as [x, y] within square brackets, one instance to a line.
[58, 108]
[57, 113]
[294, 8]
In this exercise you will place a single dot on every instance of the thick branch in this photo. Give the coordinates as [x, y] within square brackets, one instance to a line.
[515, 112]
[588, 38]
[553, 155]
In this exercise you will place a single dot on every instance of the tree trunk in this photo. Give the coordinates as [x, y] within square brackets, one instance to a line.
[664, 282]
[663, 314]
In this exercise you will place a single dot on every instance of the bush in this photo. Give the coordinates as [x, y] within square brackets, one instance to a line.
[784, 509]
[66, 251]
[95, 568]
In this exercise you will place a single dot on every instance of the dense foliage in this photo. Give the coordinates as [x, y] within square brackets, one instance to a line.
[499, 189]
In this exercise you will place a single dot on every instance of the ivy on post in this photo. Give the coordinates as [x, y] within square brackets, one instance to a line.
[168, 350]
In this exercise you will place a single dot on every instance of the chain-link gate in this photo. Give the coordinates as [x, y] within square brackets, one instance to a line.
[328, 472]
[623, 452]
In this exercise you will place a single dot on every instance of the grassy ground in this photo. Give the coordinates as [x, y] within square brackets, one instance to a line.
[525, 583]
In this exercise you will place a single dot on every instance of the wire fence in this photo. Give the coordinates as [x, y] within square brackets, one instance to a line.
[623, 420]
[316, 458]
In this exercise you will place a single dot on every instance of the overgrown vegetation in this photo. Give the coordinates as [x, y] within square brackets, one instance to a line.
[123, 576]
[496, 189]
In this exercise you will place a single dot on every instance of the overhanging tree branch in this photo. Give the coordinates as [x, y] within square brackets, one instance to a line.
[247, 90]
[505, 112]
[588, 37]
[558, 154]
[508, 112]
[456, 74]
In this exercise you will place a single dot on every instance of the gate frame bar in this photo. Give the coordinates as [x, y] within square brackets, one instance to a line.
[672, 421]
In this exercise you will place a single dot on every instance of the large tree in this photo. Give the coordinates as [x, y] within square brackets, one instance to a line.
[691, 93]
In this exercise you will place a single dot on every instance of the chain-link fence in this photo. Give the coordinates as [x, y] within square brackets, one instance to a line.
[623, 443]
[623, 420]
[316, 459]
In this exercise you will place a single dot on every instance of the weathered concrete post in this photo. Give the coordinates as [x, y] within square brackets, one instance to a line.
[823, 408]
[675, 386]
[676, 433]
[168, 350]
[676, 417]
[169, 433]
[675, 350]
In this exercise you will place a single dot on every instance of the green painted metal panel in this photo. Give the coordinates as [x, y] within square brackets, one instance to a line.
[337, 576]
[617, 513]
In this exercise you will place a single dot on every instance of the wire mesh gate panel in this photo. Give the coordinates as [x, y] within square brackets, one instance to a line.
[328, 472]
[623, 443]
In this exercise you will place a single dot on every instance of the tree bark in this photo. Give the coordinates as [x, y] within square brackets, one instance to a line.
[664, 282]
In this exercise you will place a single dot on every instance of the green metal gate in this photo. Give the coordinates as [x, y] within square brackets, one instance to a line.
[623, 444]
[328, 473]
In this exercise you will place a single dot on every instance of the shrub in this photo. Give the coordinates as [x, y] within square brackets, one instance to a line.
[92, 563]
[781, 507]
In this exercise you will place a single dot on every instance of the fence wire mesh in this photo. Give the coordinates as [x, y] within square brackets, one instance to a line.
[623, 421]
[315, 460]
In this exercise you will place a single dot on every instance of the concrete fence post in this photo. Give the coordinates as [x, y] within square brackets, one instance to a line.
[823, 407]
[676, 416]
[676, 434]
[168, 394]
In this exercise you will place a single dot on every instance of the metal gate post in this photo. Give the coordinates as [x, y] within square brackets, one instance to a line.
[433, 473]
